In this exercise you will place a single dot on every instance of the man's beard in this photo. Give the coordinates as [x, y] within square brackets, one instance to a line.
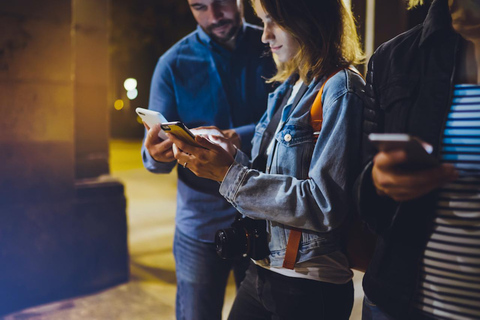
[235, 26]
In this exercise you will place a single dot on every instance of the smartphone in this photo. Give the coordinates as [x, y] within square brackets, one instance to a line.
[152, 118]
[179, 130]
[418, 152]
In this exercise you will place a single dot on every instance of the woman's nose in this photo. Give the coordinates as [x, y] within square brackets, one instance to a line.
[267, 35]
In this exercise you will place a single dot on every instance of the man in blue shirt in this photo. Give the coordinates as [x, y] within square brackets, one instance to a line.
[215, 76]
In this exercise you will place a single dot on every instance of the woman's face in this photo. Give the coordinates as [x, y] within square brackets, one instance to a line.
[466, 18]
[282, 43]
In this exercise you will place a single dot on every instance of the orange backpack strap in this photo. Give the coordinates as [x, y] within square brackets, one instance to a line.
[316, 111]
[316, 120]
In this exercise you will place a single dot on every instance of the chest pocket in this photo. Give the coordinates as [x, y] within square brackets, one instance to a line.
[294, 150]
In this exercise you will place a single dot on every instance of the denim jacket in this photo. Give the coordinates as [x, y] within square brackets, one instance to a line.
[308, 185]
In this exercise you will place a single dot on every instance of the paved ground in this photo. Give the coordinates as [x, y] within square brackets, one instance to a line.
[150, 294]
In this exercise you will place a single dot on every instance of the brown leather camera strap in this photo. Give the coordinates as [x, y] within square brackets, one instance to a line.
[292, 248]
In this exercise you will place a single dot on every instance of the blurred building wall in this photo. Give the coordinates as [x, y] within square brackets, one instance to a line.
[62, 221]
[379, 21]
[90, 64]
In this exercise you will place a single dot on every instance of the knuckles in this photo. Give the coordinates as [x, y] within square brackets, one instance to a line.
[202, 157]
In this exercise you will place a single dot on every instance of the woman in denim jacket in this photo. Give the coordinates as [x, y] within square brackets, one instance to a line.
[307, 177]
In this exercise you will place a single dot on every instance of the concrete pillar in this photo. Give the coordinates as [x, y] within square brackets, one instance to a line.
[90, 67]
[58, 236]
[390, 20]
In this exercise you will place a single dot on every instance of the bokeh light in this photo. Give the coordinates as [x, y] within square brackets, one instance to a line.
[118, 104]
[130, 84]
[132, 94]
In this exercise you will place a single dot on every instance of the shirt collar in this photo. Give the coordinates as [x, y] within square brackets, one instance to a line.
[204, 37]
[438, 18]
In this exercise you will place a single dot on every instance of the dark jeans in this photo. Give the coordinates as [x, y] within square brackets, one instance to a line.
[268, 295]
[370, 311]
[202, 278]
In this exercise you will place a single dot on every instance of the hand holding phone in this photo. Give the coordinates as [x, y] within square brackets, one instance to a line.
[152, 118]
[418, 152]
[419, 173]
[179, 130]
[210, 161]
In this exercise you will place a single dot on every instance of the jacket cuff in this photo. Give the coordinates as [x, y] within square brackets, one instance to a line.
[155, 166]
[232, 182]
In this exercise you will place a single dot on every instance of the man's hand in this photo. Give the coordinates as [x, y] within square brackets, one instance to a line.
[210, 163]
[404, 185]
[229, 140]
[233, 136]
[160, 150]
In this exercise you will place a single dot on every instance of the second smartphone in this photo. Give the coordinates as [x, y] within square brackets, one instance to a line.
[179, 130]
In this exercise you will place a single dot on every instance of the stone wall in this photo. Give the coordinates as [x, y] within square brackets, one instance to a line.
[60, 234]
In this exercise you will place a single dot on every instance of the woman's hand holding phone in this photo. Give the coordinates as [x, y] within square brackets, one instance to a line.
[394, 176]
[209, 161]
[227, 139]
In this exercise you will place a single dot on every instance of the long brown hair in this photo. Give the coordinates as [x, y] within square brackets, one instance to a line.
[325, 31]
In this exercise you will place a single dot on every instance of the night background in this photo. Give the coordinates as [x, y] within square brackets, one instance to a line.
[140, 32]
[85, 230]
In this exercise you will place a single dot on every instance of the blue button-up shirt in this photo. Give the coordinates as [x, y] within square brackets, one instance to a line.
[201, 83]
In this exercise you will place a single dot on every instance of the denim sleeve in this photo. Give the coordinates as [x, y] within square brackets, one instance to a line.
[320, 202]
[154, 166]
[162, 99]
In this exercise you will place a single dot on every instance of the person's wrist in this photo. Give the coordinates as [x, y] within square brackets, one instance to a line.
[227, 169]
[377, 188]
[152, 156]
[161, 160]
[156, 159]
[238, 141]
[235, 150]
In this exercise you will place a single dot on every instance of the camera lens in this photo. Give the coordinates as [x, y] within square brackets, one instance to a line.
[231, 243]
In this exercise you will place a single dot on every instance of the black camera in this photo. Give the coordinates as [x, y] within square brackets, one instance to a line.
[246, 238]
